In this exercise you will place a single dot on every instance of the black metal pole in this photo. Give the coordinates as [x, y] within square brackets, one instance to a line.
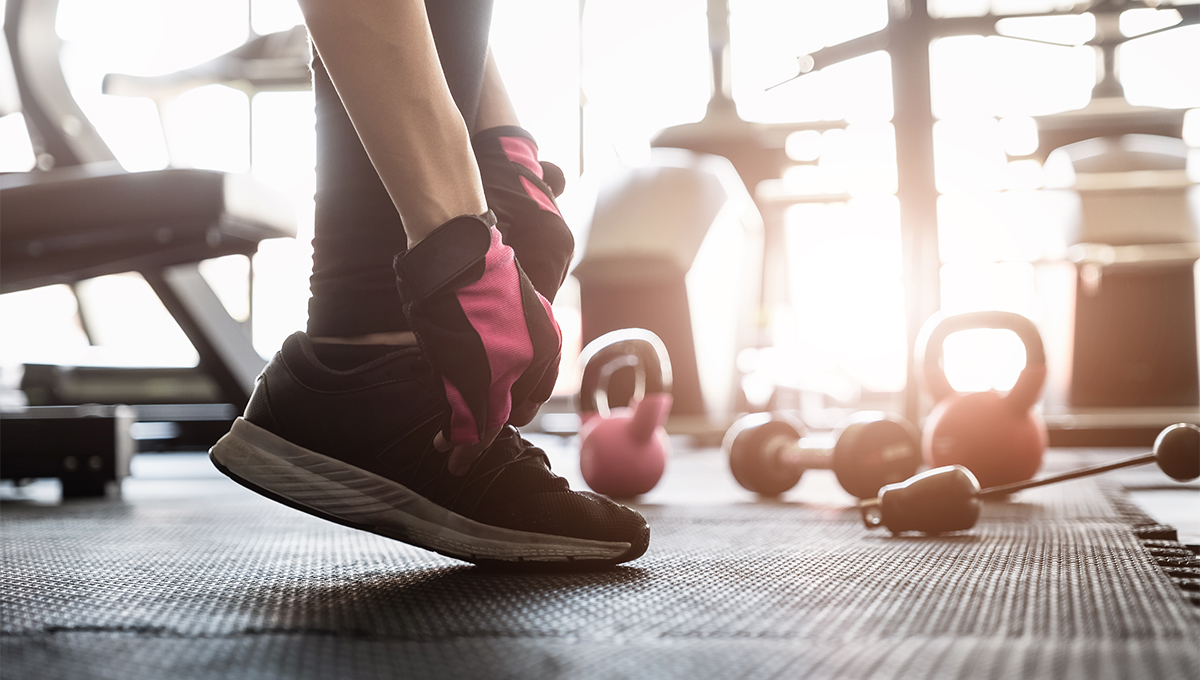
[910, 29]
[1082, 472]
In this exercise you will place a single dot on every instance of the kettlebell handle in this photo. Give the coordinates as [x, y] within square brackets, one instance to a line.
[600, 394]
[939, 327]
[635, 348]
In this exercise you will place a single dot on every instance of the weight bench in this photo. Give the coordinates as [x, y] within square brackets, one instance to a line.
[79, 215]
[82, 216]
[83, 221]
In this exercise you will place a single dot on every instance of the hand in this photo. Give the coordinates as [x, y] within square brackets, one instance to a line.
[520, 190]
[488, 334]
[462, 456]
[524, 414]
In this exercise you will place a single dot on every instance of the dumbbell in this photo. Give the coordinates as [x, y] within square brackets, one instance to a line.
[766, 454]
[948, 498]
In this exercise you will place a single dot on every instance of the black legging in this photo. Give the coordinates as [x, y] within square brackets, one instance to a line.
[357, 230]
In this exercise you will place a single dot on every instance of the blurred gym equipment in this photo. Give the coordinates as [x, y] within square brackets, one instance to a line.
[768, 454]
[999, 438]
[79, 215]
[1135, 243]
[675, 247]
[623, 451]
[88, 448]
[1121, 393]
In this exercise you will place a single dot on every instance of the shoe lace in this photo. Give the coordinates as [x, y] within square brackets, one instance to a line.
[417, 465]
[488, 478]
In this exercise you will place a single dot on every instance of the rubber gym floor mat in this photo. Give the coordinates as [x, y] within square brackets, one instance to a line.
[1052, 585]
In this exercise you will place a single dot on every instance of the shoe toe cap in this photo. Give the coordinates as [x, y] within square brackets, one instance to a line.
[578, 515]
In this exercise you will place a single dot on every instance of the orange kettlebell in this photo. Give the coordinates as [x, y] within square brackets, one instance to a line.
[998, 437]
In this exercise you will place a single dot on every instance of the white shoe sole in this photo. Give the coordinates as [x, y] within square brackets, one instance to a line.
[329, 488]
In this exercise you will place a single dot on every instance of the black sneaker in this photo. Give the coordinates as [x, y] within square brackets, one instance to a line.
[356, 447]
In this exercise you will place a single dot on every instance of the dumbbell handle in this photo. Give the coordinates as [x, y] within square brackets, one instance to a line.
[1074, 474]
[786, 451]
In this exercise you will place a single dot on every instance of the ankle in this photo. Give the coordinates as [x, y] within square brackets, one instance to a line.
[348, 353]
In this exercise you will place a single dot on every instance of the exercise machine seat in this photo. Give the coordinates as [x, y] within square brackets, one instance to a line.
[78, 222]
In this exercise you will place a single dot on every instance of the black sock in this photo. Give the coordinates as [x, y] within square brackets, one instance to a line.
[341, 357]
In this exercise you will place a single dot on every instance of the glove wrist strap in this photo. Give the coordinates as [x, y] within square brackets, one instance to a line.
[450, 257]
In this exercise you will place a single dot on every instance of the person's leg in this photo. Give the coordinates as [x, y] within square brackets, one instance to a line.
[418, 145]
[357, 226]
[382, 60]
[356, 232]
[355, 442]
[495, 108]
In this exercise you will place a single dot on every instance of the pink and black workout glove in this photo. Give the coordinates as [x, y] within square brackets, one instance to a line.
[487, 332]
[521, 190]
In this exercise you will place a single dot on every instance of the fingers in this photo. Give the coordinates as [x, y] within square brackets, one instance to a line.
[462, 456]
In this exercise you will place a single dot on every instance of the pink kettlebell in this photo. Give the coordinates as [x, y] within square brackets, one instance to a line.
[623, 451]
